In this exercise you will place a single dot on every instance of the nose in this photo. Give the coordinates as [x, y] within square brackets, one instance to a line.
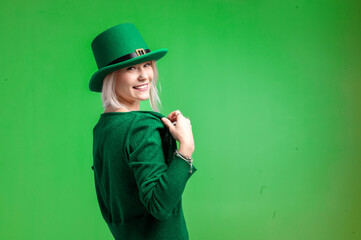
[142, 74]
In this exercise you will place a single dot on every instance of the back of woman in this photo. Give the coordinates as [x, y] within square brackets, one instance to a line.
[139, 197]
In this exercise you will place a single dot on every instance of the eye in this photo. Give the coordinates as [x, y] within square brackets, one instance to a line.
[147, 64]
[130, 68]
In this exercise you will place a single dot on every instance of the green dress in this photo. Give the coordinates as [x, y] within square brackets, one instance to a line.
[139, 182]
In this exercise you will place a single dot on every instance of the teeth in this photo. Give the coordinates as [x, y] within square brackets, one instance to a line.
[142, 87]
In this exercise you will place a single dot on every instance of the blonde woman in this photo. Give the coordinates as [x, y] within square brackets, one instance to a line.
[139, 173]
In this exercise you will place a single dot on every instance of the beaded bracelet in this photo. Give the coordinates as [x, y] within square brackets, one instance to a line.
[187, 159]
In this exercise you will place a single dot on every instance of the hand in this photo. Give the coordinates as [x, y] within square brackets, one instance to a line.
[181, 131]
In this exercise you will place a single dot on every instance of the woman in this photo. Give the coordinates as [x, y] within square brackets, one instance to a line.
[139, 173]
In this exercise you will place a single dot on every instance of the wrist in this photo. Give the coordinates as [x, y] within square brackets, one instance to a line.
[186, 150]
[185, 158]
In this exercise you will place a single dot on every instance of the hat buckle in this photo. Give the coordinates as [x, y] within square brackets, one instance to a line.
[140, 51]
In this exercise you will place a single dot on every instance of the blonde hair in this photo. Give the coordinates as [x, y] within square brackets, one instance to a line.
[109, 96]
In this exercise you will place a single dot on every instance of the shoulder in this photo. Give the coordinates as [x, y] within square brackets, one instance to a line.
[146, 129]
[147, 121]
[148, 118]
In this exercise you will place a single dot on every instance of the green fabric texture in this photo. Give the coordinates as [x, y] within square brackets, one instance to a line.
[139, 182]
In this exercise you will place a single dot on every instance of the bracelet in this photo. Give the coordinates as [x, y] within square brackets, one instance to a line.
[187, 159]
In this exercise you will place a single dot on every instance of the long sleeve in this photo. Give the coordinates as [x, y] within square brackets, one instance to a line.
[160, 185]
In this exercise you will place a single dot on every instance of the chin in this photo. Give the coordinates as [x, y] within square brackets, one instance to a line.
[144, 98]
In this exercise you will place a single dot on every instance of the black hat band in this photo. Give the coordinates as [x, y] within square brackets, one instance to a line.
[137, 53]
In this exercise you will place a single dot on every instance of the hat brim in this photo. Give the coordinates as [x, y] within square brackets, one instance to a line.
[96, 81]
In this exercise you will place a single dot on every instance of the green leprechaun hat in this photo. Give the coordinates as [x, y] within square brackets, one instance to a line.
[119, 47]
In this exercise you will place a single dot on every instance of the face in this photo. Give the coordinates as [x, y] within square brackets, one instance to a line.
[128, 78]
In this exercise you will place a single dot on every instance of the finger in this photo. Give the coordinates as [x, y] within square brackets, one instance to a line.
[173, 115]
[167, 123]
[170, 116]
[179, 115]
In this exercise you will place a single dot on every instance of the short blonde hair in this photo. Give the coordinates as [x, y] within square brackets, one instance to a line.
[109, 96]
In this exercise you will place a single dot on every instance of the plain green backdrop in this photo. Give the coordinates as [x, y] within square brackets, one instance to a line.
[272, 89]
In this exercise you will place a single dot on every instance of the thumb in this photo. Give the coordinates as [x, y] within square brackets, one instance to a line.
[167, 123]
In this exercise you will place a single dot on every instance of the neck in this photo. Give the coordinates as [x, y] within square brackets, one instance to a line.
[123, 109]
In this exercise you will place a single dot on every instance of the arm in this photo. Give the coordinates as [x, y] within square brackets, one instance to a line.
[160, 186]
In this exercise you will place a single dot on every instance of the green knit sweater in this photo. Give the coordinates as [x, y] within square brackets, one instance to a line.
[138, 181]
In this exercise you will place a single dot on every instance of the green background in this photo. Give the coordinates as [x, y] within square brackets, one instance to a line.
[272, 89]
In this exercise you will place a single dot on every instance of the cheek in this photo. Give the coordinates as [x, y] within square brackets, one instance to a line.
[119, 84]
[123, 82]
[151, 73]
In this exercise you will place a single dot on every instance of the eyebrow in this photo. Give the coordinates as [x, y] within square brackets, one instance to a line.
[142, 63]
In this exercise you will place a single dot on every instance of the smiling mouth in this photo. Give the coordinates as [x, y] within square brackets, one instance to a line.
[142, 87]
